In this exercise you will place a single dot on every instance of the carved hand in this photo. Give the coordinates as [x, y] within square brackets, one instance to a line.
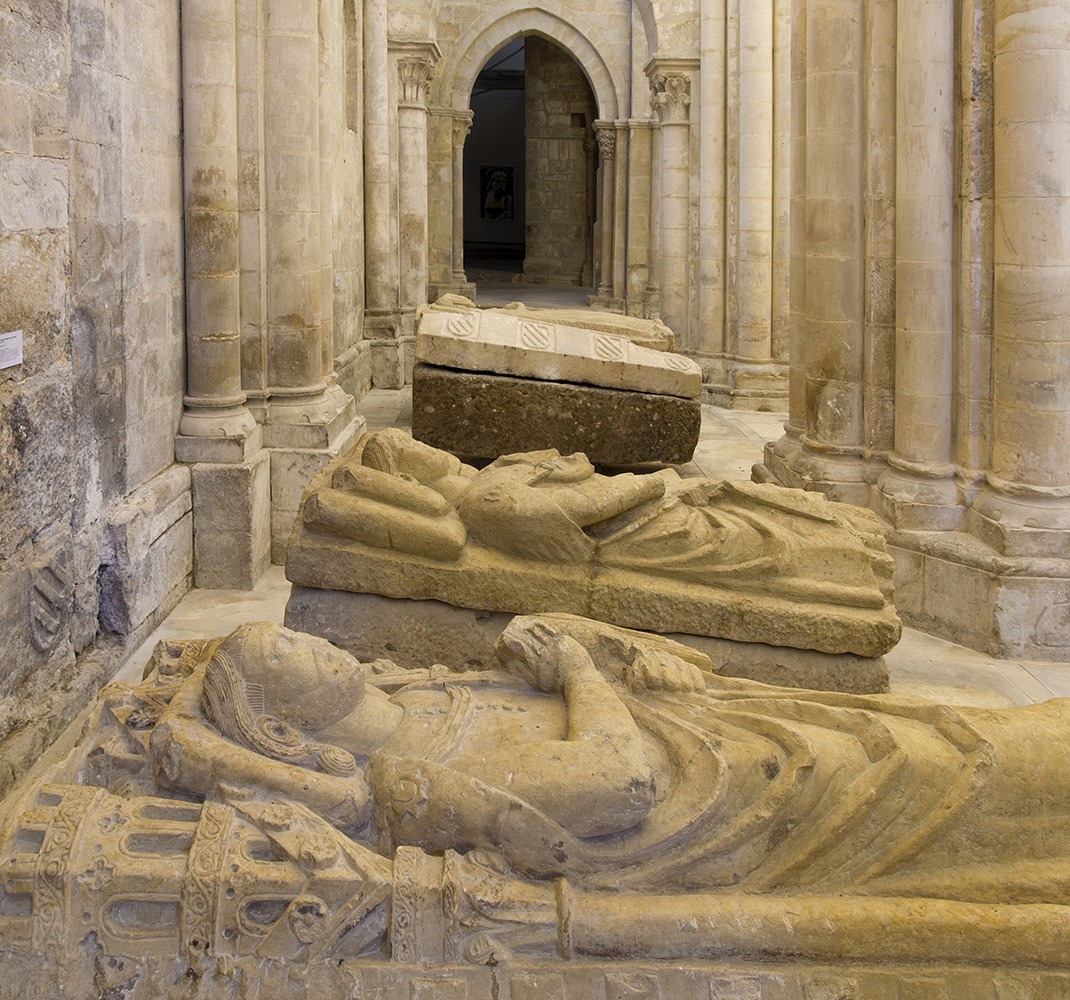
[654, 670]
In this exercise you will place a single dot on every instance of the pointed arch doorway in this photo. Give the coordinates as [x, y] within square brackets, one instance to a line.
[530, 168]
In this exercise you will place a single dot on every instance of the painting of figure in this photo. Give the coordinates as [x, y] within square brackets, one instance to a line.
[496, 193]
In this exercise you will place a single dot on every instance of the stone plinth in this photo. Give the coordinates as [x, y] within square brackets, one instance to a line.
[416, 633]
[483, 416]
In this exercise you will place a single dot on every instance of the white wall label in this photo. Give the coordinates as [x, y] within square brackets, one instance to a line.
[10, 349]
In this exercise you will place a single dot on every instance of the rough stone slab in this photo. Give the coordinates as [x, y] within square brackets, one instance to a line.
[151, 549]
[650, 333]
[478, 416]
[507, 344]
[420, 633]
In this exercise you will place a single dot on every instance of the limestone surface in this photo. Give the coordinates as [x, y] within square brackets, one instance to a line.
[414, 633]
[265, 800]
[532, 347]
[649, 333]
[541, 531]
[483, 416]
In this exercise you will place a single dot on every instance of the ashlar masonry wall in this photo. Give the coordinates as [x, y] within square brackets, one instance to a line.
[95, 526]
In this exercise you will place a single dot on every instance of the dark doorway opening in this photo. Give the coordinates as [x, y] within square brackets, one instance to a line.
[529, 169]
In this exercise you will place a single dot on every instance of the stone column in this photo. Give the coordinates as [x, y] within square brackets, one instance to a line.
[216, 425]
[756, 381]
[381, 323]
[620, 216]
[309, 417]
[416, 64]
[918, 489]
[712, 152]
[590, 149]
[652, 293]
[754, 261]
[462, 126]
[671, 87]
[217, 434]
[828, 255]
[607, 146]
[637, 224]
[1025, 508]
[294, 207]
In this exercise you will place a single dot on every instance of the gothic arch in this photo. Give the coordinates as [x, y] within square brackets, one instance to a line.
[457, 73]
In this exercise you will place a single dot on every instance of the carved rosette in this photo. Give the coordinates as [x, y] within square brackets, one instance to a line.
[671, 97]
[414, 78]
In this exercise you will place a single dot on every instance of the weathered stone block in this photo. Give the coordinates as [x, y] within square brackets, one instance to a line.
[484, 416]
[151, 551]
[35, 464]
[291, 471]
[232, 522]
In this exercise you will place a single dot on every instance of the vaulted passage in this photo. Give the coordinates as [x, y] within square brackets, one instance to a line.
[530, 168]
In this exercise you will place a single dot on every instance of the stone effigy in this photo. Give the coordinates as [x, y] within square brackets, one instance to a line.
[543, 532]
[264, 805]
[574, 388]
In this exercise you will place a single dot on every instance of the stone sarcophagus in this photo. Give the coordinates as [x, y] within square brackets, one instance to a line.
[491, 382]
[598, 814]
[539, 531]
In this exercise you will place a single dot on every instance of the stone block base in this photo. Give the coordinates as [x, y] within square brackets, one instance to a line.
[949, 583]
[479, 416]
[420, 633]
[291, 471]
[232, 523]
[953, 586]
[134, 976]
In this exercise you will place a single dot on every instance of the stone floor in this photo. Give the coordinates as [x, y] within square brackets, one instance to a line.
[729, 444]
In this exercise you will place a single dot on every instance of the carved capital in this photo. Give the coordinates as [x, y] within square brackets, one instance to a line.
[671, 96]
[462, 126]
[607, 141]
[414, 78]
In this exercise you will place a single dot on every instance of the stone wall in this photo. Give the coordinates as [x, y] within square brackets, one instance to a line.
[559, 111]
[95, 531]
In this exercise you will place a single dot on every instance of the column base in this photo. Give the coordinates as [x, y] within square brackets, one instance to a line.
[953, 585]
[1022, 524]
[309, 421]
[226, 435]
[231, 523]
[756, 387]
[460, 285]
[392, 362]
[792, 461]
[919, 499]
